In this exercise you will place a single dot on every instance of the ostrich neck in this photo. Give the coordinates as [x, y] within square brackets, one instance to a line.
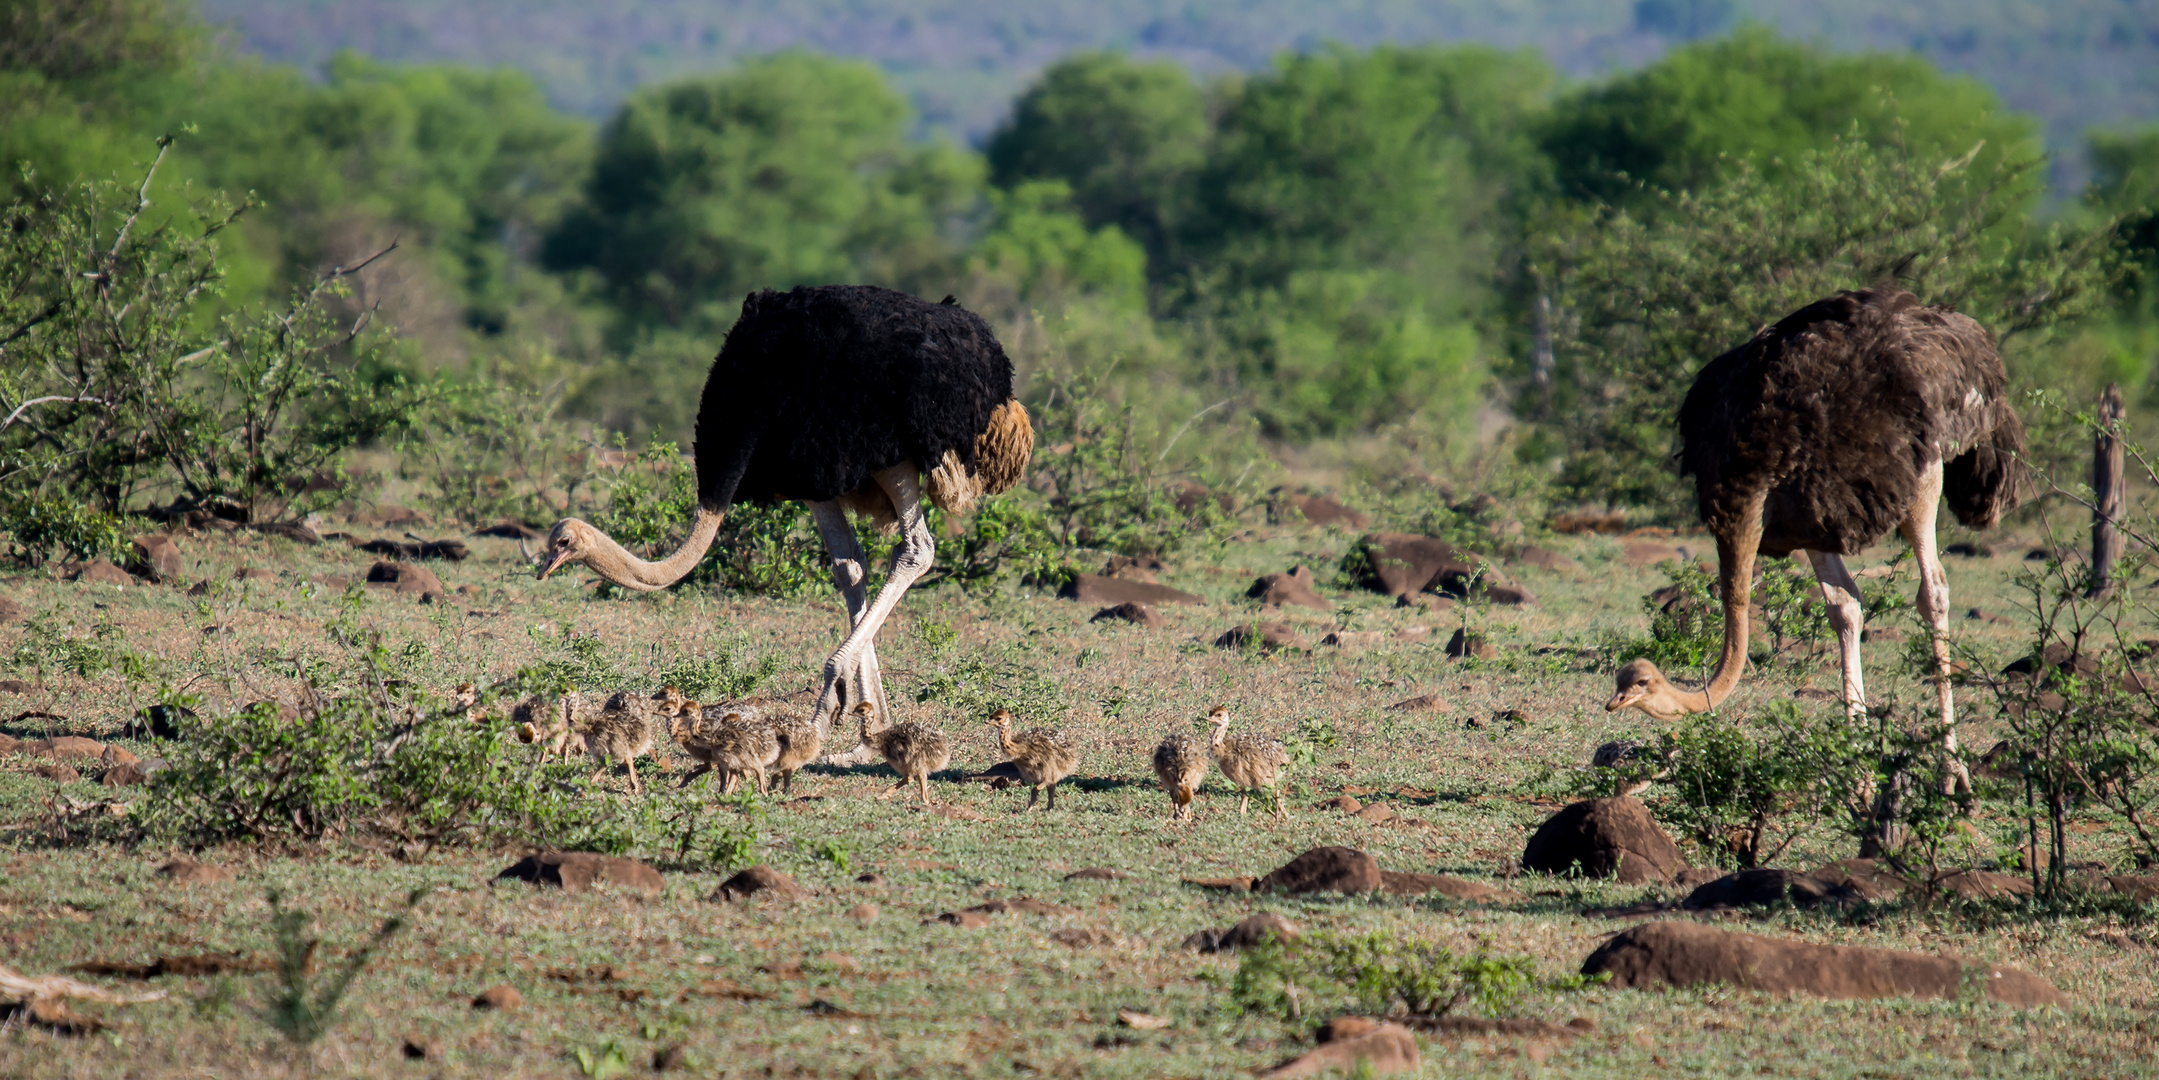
[615, 563]
[1736, 547]
[1214, 740]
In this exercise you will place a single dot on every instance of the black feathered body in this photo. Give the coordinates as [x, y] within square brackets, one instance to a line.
[819, 388]
[1838, 410]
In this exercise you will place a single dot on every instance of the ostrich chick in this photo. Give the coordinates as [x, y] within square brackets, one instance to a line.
[621, 729]
[1180, 763]
[799, 744]
[913, 750]
[1044, 757]
[733, 745]
[1252, 762]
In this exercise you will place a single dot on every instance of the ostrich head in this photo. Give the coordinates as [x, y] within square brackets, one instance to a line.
[1641, 685]
[864, 713]
[1001, 720]
[1218, 716]
[671, 702]
[571, 540]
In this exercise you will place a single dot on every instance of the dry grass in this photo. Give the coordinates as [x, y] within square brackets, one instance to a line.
[730, 984]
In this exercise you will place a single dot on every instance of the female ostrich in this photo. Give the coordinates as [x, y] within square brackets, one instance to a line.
[1853, 415]
[849, 398]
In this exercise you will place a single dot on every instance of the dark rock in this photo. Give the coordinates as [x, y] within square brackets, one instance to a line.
[101, 572]
[290, 530]
[1425, 601]
[1420, 703]
[1377, 813]
[1347, 804]
[421, 1048]
[1398, 883]
[1398, 564]
[1765, 887]
[1675, 953]
[501, 998]
[1324, 869]
[1110, 592]
[1354, 639]
[509, 529]
[70, 748]
[155, 556]
[14, 686]
[1620, 753]
[1603, 838]
[1465, 644]
[1969, 550]
[965, 920]
[1227, 884]
[406, 579]
[1293, 588]
[759, 880]
[2056, 658]
[1509, 595]
[2136, 887]
[1254, 929]
[1270, 636]
[579, 871]
[1694, 877]
[1137, 614]
[1287, 508]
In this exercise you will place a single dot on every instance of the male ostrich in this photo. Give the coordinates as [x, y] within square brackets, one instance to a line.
[1852, 415]
[849, 398]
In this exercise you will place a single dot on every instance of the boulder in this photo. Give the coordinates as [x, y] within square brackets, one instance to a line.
[1112, 591]
[156, 557]
[1465, 644]
[502, 998]
[1604, 838]
[1293, 588]
[101, 572]
[1133, 612]
[1424, 601]
[1384, 1051]
[1766, 887]
[1675, 953]
[580, 871]
[1509, 595]
[406, 579]
[1097, 873]
[1140, 568]
[1324, 869]
[1968, 550]
[68, 748]
[1269, 635]
[1287, 508]
[759, 880]
[2138, 887]
[1480, 582]
[1399, 564]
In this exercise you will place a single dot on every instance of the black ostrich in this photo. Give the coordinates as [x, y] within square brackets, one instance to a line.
[1851, 416]
[849, 398]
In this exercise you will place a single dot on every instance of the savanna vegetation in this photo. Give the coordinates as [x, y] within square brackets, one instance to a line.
[276, 317]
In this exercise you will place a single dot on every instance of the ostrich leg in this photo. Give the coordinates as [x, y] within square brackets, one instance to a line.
[850, 569]
[1849, 617]
[918, 548]
[1918, 529]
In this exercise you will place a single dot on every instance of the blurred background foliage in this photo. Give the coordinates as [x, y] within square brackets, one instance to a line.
[1402, 266]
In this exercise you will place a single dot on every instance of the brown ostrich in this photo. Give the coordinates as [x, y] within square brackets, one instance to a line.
[849, 398]
[1042, 756]
[1851, 416]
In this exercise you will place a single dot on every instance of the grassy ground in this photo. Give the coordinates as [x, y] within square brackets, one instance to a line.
[732, 986]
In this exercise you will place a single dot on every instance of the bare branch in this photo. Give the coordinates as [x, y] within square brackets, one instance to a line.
[20, 409]
[142, 198]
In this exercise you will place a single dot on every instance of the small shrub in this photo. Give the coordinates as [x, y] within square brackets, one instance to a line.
[41, 526]
[300, 1007]
[1733, 792]
[1379, 975]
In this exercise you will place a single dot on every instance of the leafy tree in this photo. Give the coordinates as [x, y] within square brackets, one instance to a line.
[790, 170]
[68, 40]
[1644, 299]
[2125, 183]
[1043, 249]
[1125, 136]
[1697, 114]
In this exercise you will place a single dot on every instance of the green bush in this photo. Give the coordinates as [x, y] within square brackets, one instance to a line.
[39, 526]
[1380, 975]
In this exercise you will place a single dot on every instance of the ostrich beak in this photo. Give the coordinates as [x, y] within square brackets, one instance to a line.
[554, 565]
[1625, 698]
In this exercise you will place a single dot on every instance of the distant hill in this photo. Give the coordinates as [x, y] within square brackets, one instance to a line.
[2074, 63]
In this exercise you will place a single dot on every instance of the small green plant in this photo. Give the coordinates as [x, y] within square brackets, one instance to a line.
[605, 1061]
[40, 526]
[830, 851]
[723, 675]
[1380, 974]
[300, 1007]
[1315, 735]
[1733, 792]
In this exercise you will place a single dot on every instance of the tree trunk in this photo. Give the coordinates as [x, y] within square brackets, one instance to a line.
[2107, 502]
